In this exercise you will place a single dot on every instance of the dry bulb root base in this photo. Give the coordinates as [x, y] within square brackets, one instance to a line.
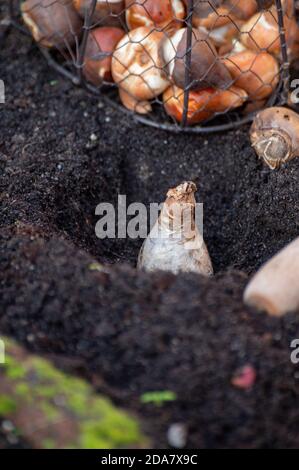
[275, 136]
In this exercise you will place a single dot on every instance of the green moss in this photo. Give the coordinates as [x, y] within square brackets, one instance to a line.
[22, 389]
[13, 369]
[50, 411]
[45, 371]
[101, 424]
[78, 403]
[49, 444]
[38, 383]
[7, 405]
[114, 430]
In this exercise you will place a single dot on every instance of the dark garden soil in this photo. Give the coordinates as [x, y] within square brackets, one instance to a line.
[127, 331]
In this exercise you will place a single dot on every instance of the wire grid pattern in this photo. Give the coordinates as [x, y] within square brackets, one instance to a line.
[180, 65]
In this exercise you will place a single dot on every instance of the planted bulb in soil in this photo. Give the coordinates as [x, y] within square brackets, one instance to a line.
[175, 243]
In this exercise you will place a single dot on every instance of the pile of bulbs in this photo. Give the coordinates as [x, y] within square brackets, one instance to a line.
[141, 45]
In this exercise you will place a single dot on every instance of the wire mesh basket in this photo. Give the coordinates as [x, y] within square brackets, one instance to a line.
[180, 65]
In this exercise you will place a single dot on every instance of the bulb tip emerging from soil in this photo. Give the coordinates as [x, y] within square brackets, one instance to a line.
[182, 190]
[175, 243]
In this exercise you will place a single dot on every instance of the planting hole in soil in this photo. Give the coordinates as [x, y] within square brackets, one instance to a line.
[183, 355]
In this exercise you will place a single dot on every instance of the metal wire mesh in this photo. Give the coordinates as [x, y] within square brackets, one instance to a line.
[180, 65]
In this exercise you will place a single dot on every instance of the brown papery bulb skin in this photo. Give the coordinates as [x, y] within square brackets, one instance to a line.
[203, 104]
[101, 43]
[107, 12]
[137, 67]
[206, 69]
[175, 243]
[256, 73]
[275, 287]
[52, 23]
[167, 15]
[275, 136]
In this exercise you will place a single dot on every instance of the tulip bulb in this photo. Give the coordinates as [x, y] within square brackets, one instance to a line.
[216, 13]
[107, 12]
[202, 104]
[256, 73]
[137, 67]
[244, 9]
[167, 15]
[173, 100]
[52, 23]
[206, 69]
[275, 287]
[131, 103]
[261, 32]
[254, 106]
[99, 49]
[175, 243]
[226, 35]
[275, 136]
